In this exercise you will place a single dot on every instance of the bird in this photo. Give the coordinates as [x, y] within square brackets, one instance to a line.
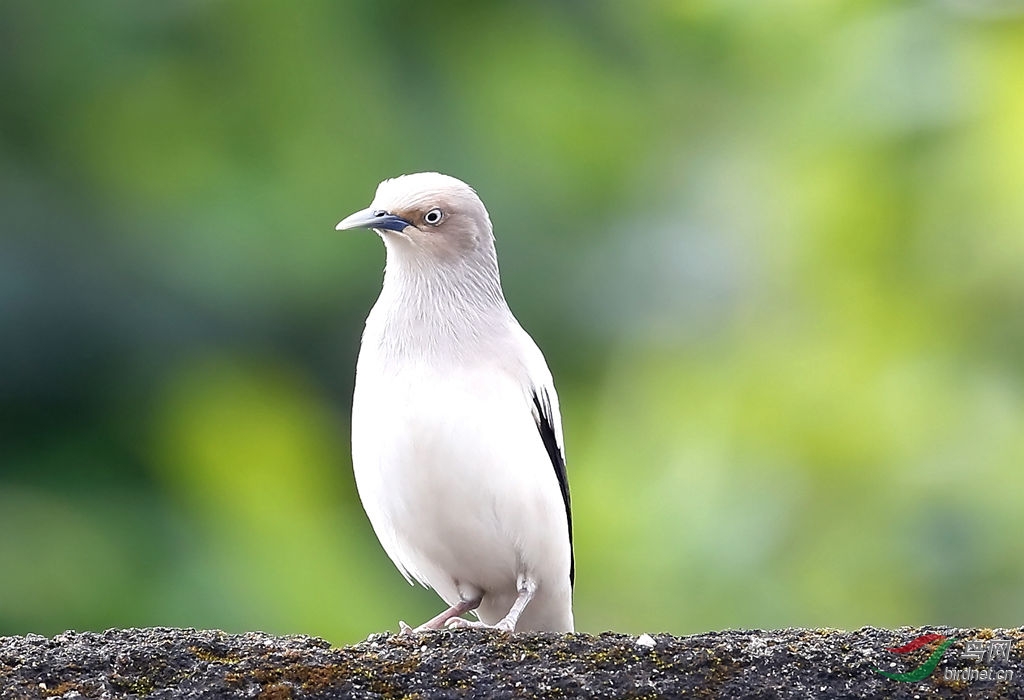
[457, 444]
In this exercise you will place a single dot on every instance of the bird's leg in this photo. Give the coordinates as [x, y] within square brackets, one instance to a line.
[438, 621]
[527, 588]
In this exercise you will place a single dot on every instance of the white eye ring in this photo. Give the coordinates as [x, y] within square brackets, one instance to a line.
[434, 216]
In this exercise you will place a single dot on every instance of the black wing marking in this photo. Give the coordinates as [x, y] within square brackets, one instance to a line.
[545, 425]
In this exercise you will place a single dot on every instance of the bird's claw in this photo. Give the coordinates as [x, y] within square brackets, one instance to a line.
[462, 623]
[403, 628]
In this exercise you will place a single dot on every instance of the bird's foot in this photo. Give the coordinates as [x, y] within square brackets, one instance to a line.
[404, 629]
[504, 625]
[439, 621]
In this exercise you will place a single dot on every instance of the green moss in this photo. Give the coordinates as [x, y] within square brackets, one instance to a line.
[212, 656]
[143, 685]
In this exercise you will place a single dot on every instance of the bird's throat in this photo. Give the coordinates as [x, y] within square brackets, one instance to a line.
[426, 309]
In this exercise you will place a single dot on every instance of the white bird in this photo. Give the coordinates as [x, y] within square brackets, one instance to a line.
[456, 434]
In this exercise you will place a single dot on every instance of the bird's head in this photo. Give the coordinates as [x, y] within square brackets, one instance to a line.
[430, 213]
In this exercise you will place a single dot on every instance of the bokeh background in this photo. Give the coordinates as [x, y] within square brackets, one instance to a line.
[774, 253]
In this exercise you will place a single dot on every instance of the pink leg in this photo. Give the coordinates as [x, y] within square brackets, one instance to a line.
[527, 589]
[437, 622]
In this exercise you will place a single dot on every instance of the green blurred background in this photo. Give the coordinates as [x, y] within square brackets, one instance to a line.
[774, 253]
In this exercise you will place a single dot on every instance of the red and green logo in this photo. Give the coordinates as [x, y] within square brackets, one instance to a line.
[937, 642]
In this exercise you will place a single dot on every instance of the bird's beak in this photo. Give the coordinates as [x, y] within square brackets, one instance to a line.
[373, 218]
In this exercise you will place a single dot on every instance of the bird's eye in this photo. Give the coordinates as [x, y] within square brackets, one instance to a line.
[434, 216]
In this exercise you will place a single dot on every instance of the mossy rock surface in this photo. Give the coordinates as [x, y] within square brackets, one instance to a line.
[793, 663]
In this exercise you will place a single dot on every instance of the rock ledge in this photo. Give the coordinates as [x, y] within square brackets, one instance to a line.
[162, 663]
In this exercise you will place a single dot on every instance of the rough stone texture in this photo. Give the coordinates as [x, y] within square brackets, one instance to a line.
[794, 663]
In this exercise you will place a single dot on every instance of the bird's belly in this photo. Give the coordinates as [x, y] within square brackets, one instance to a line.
[456, 483]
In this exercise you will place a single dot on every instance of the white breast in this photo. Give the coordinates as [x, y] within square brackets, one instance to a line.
[457, 484]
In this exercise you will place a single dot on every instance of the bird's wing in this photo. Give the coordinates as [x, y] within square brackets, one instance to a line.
[549, 424]
[550, 428]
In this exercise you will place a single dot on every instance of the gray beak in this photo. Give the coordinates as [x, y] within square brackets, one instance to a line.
[373, 218]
